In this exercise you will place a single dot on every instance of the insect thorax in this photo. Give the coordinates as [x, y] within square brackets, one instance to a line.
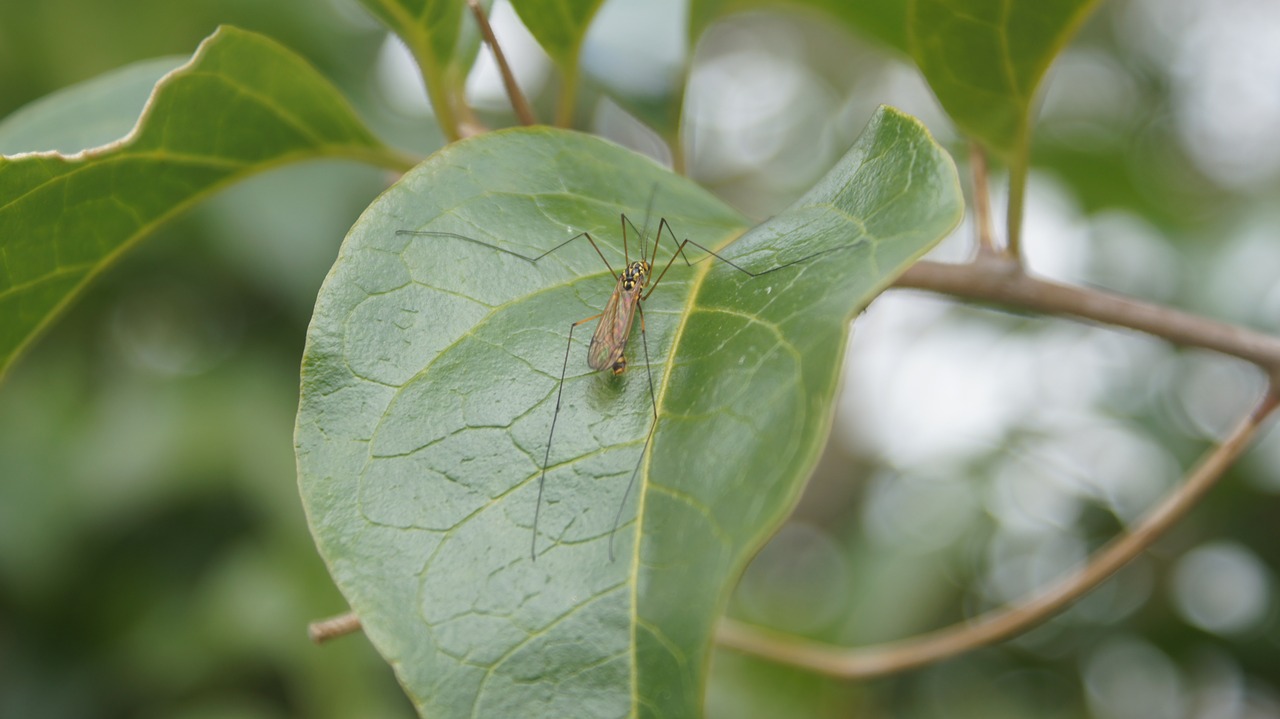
[636, 274]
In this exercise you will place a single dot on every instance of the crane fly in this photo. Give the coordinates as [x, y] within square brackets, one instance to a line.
[609, 342]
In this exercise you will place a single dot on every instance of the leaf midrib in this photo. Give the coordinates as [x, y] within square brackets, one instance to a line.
[696, 283]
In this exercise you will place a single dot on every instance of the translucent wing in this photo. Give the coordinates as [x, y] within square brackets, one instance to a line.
[609, 343]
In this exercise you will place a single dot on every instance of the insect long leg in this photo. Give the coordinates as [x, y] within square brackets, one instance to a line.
[542, 477]
[643, 241]
[738, 267]
[679, 247]
[653, 399]
[658, 238]
[526, 258]
[611, 336]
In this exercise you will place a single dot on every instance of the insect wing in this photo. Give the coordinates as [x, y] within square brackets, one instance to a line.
[610, 339]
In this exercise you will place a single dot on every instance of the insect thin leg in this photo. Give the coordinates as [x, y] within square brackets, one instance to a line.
[594, 246]
[542, 477]
[678, 253]
[653, 398]
[740, 268]
[652, 258]
[526, 258]
[627, 221]
[672, 233]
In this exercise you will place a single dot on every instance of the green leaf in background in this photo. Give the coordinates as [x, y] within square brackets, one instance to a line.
[984, 60]
[428, 27]
[884, 20]
[443, 44]
[559, 27]
[243, 104]
[430, 380]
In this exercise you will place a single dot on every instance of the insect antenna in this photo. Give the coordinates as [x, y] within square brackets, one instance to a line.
[686, 242]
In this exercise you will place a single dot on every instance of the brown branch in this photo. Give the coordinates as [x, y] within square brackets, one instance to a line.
[333, 627]
[1002, 281]
[1007, 621]
[518, 101]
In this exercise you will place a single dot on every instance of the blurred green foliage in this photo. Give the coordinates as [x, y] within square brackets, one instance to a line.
[154, 560]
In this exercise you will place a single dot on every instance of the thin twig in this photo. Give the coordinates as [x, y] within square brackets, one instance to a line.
[982, 200]
[518, 101]
[1007, 621]
[1002, 281]
[333, 627]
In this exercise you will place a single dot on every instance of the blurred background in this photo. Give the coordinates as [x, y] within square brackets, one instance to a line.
[154, 561]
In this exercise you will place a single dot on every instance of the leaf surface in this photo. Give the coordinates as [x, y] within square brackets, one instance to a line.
[243, 104]
[443, 44]
[430, 381]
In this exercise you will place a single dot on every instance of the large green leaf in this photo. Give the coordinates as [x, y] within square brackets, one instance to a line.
[243, 104]
[984, 60]
[430, 380]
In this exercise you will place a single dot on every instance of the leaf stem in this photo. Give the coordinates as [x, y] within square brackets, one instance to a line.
[1017, 198]
[568, 101]
[323, 630]
[1007, 621]
[434, 81]
[675, 138]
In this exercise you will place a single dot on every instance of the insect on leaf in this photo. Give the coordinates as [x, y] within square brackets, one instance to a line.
[429, 382]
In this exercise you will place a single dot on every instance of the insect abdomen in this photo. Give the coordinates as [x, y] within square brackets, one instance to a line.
[603, 356]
